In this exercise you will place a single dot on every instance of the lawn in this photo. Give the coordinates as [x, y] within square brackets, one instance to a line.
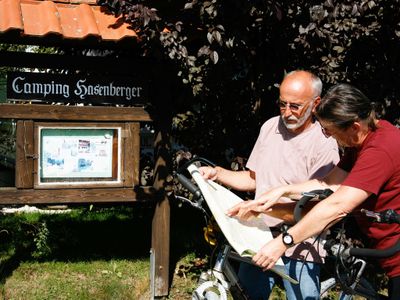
[97, 253]
[113, 279]
[94, 253]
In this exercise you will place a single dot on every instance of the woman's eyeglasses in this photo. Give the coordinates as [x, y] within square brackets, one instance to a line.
[325, 132]
[330, 132]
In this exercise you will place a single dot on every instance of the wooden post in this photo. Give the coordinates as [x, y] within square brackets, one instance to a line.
[161, 220]
[162, 120]
[24, 155]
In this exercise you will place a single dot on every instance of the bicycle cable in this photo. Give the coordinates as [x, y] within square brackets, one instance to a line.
[316, 239]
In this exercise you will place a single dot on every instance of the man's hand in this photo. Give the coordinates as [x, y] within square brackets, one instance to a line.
[269, 254]
[209, 173]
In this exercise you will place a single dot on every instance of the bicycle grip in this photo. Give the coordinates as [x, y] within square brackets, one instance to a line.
[298, 210]
[189, 185]
[317, 194]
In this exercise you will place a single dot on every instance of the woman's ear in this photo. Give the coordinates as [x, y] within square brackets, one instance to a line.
[354, 132]
[316, 102]
[355, 127]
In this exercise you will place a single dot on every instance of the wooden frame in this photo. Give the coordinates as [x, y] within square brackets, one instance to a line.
[128, 118]
[73, 113]
[125, 172]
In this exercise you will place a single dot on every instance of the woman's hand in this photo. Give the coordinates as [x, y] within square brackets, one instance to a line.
[248, 209]
[244, 210]
[269, 254]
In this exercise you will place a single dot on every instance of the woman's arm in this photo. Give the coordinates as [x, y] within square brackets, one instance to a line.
[248, 209]
[322, 216]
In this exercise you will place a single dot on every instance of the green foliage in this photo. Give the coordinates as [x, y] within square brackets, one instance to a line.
[230, 57]
[9, 47]
[21, 48]
[97, 233]
[41, 241]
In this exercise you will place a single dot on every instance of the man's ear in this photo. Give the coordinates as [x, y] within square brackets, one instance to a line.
[316, 102]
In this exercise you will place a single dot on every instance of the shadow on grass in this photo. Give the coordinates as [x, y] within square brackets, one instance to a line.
[101, 233]
[187, 238]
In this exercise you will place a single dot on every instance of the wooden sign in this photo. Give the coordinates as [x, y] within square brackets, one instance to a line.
[46, 87]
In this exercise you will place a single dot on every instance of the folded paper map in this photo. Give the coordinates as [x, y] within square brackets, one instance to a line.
[245, 237]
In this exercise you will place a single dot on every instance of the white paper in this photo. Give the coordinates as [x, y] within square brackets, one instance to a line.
[242, 235]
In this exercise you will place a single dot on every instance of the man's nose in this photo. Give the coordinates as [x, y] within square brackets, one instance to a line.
[287, 112]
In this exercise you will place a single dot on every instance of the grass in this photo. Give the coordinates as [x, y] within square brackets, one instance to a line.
[114, 279]
[93, 253]
[99, 253]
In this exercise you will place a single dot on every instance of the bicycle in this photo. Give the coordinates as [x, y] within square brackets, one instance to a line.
[350, 262]
[221, 279]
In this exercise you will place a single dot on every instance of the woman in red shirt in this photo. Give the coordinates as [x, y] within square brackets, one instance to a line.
[367, 176]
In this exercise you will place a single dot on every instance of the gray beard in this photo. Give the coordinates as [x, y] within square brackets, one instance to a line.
[299, 121]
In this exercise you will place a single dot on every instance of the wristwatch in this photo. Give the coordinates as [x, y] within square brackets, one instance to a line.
[287, 239]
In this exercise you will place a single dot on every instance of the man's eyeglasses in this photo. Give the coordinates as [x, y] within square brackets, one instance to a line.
[292, 106]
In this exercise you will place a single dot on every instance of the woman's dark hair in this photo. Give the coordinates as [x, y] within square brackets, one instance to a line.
[344, 104]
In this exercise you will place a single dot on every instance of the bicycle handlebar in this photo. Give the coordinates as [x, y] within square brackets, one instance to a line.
[387, 216]
[187, 183]
[315, 194]
[193, 189]
[374, 253]
[193, 160]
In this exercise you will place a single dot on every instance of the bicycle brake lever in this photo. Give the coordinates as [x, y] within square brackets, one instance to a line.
[371, 214]
[318, 194]
[309, 194]
[388, 216]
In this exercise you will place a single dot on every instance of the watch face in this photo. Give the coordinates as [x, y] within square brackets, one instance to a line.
[287, 239]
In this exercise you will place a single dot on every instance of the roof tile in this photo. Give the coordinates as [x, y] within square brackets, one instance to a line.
[40, 17]
[70, 19]
[111, 27]
[10, 15]
[77, 22]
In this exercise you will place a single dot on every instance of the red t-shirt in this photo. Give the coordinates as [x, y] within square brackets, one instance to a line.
[375, 167]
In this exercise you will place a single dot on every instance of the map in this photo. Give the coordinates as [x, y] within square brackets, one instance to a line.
[245, 237]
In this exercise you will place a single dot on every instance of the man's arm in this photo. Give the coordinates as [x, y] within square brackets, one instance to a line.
[238, 180]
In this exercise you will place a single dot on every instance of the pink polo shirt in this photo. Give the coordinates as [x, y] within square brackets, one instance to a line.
[280, 157]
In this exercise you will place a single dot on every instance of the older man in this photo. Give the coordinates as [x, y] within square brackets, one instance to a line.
[290, 148]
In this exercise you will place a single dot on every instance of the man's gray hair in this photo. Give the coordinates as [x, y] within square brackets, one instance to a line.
[317, 85]
[315, 81]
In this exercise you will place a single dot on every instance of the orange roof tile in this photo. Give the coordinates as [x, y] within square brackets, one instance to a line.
[69, 19]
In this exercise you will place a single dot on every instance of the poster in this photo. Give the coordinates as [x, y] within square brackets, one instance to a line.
[76, 153]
